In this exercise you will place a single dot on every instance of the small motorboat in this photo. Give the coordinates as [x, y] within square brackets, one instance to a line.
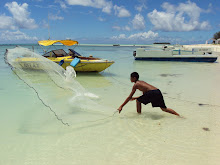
[80, 63]
[72, 58]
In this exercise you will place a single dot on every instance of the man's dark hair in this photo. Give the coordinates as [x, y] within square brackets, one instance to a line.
[135, 74]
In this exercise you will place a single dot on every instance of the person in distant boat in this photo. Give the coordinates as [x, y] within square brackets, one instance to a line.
[151, 95]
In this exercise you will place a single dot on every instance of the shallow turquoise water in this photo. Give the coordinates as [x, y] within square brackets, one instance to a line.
[31, 133]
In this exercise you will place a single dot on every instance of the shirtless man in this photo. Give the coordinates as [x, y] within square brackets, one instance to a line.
[151, 95]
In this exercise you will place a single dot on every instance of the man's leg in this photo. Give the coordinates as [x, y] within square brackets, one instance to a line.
[169, 110]
[138, 106]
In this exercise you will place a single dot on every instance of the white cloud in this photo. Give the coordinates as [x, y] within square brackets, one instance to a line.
[62, 4]
[121, 36]
[138, 36]
[7, 22]
[140, 7]
[16, 36]
[184, 17]
[55, 17]
[20, 17]
[168, 7]
[106, 6]
[209, 9]
[52, 7]
[138, 22]
[121, 11]
[101, 19]
[144, 35]
[118, 28]
[127, 28]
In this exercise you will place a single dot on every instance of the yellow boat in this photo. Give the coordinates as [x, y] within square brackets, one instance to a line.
[59, 56]
[85, 64]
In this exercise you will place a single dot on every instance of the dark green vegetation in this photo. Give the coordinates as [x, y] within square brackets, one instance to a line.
[216, 35]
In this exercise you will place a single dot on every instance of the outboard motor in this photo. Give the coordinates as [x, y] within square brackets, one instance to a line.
[134, 53]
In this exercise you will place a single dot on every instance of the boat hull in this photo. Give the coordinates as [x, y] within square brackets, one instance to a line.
[181, 59]
[174, 55]
[89, 66]
[83, 66]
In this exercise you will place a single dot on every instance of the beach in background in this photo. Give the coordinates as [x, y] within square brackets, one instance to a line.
[31, 134]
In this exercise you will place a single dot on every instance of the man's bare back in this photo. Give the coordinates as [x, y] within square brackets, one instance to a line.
[143, 86]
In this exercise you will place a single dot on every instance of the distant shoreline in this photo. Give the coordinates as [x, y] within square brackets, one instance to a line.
[213, 46]
[115, 45]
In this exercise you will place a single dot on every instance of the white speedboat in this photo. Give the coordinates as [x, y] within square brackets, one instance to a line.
[169, 54]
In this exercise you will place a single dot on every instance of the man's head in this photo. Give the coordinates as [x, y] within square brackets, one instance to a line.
[134, 77]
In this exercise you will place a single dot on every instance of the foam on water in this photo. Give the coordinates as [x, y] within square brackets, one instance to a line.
[91, 95]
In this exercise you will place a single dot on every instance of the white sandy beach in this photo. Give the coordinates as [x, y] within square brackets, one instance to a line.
[32, 135]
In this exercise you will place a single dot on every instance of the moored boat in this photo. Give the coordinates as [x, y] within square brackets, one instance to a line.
[72, 58]
[167, 54]
[84, 64]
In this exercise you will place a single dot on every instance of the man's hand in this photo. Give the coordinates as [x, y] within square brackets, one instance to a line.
[119, 109]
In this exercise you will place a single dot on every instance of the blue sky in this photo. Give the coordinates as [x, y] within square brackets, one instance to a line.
[109, 22]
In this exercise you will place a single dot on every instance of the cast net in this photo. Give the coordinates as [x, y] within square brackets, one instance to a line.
[56, 87]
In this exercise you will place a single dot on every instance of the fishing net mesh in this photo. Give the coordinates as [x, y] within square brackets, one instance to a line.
[56, 87]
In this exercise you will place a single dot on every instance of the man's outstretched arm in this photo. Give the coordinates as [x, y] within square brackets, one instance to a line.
[128, 98]
[134, 98]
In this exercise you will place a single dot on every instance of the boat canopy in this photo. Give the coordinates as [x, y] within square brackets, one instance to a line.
[51, 42]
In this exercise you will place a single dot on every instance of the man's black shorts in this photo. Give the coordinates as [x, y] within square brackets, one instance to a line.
[154, 97]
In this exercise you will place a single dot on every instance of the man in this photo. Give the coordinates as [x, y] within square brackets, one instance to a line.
[151, 95]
